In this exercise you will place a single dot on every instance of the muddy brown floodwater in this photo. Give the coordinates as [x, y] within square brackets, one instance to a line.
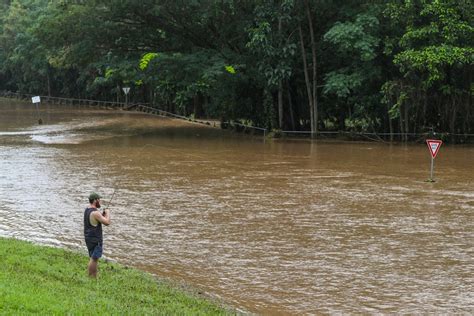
[275, 227]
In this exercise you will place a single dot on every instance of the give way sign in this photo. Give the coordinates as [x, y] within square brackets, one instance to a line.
[434, 145]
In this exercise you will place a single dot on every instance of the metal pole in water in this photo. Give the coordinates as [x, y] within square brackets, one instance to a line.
[36, 100]
[432, 167]
[433, 146]
[126, 90]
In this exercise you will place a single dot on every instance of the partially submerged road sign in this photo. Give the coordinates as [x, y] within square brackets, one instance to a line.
[35, 101]
[434, 145]
[126, 90]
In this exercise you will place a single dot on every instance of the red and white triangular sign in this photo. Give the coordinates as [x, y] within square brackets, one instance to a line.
[434, 145]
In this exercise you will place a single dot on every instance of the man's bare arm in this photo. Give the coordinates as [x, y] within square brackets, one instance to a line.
[105, 218]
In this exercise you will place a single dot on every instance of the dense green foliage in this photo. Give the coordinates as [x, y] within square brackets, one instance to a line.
[50, 281]
[397, 66]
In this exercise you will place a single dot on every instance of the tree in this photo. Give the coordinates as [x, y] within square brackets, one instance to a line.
[435, 56]
[398, 66]
[24, 55]
[273, 47]
[356, 77]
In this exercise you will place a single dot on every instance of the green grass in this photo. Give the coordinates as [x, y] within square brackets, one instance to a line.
[44, 280]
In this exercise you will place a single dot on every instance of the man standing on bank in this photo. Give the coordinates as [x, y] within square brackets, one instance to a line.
[93, 220]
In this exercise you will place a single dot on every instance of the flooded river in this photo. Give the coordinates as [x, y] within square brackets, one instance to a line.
[275, 227]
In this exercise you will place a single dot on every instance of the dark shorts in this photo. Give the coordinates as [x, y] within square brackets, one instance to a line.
[95, 249]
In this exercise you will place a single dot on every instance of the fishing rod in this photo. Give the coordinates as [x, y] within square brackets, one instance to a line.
[110, 201]
[108, 204]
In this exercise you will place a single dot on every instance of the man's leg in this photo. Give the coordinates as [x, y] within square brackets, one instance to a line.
[94, 261]
[93, 267]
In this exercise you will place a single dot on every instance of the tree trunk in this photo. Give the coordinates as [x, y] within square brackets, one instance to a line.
[315, 81]
[341, 120]
[290, 103]
[306, 79]
[452, 123]
[280, 105]
[280, 89]
[49, 82]
[406, 122]
[151, 97]
[425, 103]
[195, 103]
[206, 103]
[390, 124]
[467, 128]
[401, 123]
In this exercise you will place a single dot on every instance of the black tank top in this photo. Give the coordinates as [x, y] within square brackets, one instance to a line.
[91, 233]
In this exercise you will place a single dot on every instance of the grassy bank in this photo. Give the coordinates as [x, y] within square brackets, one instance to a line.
[46, 280]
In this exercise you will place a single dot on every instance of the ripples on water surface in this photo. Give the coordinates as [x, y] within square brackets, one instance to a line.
[274, 228]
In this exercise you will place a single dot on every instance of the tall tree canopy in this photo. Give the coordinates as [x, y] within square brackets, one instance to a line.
[398, 66]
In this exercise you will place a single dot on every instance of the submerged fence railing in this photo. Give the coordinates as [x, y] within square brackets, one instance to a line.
[462, 138]
[146, 108]
[60, 100]
[139, 107]
[244, 127]
[156, 111]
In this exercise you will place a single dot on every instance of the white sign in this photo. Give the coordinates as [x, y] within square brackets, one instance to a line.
[126, 89]
[433, 146]
[36, 99]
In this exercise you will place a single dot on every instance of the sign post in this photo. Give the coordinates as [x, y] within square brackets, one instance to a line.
[126, 90]
[433, 146]
[36, 100]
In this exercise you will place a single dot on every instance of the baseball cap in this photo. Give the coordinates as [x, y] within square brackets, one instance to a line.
[94, 196]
